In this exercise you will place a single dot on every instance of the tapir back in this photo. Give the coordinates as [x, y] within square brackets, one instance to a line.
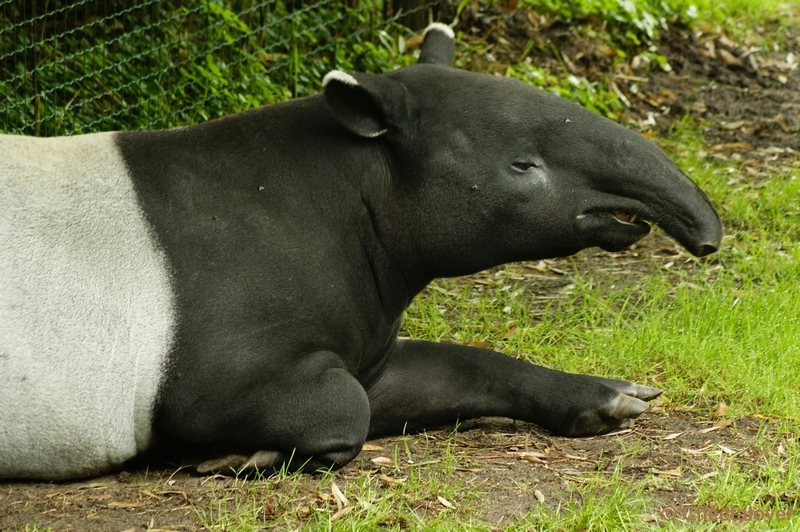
[86, 313]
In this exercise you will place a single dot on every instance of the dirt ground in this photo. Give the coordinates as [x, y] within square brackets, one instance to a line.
[515, 463]
[748, 104]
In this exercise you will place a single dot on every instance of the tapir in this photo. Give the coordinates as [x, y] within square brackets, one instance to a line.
[239, 284]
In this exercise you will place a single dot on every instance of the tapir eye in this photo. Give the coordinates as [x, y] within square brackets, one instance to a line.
[520, 166]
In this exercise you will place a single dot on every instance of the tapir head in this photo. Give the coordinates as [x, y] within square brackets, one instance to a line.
[486, 170]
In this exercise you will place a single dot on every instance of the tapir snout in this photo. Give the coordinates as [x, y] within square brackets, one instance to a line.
[633, 182]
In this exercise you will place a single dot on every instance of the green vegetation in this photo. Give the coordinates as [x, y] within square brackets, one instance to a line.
[163, 64]
[160, 64]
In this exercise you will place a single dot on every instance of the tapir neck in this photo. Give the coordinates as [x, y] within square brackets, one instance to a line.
[234, 193]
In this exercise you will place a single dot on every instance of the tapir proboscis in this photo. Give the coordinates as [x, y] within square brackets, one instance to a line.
[239, 284]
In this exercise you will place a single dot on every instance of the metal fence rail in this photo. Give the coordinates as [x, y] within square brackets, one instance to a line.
[76, 66]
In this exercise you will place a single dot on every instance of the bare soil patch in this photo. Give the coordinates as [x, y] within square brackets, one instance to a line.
[749, 110]
[515, 464]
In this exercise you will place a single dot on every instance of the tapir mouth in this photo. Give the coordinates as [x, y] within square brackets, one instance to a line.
[627, 218]
[612, 230]
[636, 222]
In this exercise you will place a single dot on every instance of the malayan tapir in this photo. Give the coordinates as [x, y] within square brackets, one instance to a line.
[240, 283]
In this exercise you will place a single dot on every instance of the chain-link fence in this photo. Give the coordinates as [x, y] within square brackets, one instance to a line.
[75, 66]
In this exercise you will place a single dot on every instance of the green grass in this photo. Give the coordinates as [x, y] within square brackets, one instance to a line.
[402, 496]
[604, 503]
[156, 64]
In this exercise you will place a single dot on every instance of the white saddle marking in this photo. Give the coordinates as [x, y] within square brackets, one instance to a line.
[86, 309]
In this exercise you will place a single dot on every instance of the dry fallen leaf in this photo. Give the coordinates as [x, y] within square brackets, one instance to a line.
[723, 423]
[381, 460]
[736, 124]
[413, 42]
[343, 511]
[668, 94]
[371, 447]
[341, 500]
[93, 485]
[532, 459]
[672, 436]
[728, 58]
[445, 502]
[720, 411]
[389, 481]
[732, 146]
[783, 125]
[727, 43]
[697, 451]
[673, 473]
[482, 345]
[726, 450]
[120, 504]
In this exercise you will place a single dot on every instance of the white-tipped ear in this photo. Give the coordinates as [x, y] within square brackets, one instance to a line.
[340, 76]
[438, 45]
[365, 104]
[438, 26]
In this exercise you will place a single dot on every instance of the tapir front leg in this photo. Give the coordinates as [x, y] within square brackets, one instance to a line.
[428, 384]
[310, 413]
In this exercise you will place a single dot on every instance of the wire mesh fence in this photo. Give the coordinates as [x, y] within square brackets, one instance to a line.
[77, 66]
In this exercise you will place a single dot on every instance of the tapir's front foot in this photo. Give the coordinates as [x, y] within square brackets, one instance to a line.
[240, 463]
[628, 403]
[266, 461]
[425, 385]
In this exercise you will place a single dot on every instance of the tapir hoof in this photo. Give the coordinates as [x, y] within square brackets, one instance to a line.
[226, 465]
[234, 464]
[260, 461]
[645, 393]
[618, 412]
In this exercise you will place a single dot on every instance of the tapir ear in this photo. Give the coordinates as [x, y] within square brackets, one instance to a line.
[438, 45]
[365, 104]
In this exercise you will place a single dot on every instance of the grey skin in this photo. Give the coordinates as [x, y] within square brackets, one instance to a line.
[297, 234]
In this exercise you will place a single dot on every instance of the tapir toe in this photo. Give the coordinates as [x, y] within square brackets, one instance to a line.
[234, 464]
[226, 464]
[645, 393]
[617, 413]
